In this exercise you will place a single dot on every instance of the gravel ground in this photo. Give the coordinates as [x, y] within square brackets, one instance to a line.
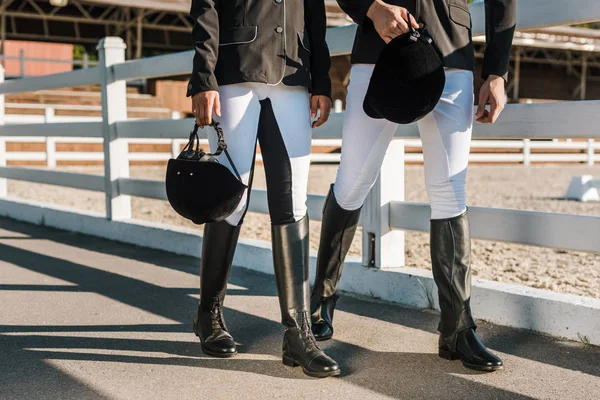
[526, 188]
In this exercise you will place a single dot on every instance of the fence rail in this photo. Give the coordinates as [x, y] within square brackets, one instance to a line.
[23, 60]
[385, 212]
[504, 150]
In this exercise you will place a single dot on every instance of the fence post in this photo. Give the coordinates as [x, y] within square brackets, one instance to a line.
[175, 147]
[3, 181]
[22, 63]
[50, 141]
[526, 152]
[114, 108]
[338, 106]
[591, 152]
[383, 247]
[86, 60]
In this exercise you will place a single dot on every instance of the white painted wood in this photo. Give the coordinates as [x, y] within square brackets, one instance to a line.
[71, 156]
[139, 156]
[575, 119]
[583, 188]
[327, 142]
[157, 128]
[50, 141]
[558, 145]
[58, 178]
[340, 40]
[561, 231]
[571, 119]
[65, 129]
[542, 13]
[38, 119]
[591, 153]
[80, 77]
[3, 182]
[148, 188]
[114, 108]
[559, 157]
[526, 152]
[81, 107]
[154, 67]
[383, 247]
[175, 148]
[323, 157]
[23, 156]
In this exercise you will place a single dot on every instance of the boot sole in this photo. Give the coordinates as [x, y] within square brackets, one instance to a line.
[324, 338]
[291, 363]
[217, 355]
[212, 353]
[447, 355]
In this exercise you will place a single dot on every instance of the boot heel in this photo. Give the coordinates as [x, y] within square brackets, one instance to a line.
[448, 355]
[289, 362]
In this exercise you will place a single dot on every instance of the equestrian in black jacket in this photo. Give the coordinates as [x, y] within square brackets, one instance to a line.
[449, 24]
[272, 41]
[256, 65]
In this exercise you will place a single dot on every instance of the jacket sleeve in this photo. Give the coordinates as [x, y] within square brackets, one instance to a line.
[320, 60]
[357, 10]
[500, 21]
[205, 39]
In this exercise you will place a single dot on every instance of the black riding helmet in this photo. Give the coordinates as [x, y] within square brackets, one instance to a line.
[408, 79]
[199, 187]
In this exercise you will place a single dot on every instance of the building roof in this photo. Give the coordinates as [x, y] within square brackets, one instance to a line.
[166, 5]
[335, 16]
[559, 38]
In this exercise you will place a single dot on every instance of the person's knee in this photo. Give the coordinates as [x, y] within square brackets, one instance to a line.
[350, 197]
[447, 200]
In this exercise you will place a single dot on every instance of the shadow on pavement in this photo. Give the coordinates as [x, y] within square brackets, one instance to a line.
[397, 374]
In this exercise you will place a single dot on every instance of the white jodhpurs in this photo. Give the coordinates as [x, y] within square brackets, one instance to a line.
[278, 117]
[446, 137]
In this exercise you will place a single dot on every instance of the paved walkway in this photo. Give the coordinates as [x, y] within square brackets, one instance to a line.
[87, 318]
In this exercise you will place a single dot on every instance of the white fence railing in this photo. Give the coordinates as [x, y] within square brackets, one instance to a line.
[553, 152]
[85, 62]
[502, 151]
[385, 211]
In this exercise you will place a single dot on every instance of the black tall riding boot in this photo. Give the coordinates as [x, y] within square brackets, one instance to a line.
[218, 247]
[291, 260]
[337, 231]
[451, 265]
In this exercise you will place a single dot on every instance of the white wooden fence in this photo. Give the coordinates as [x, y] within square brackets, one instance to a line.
[23, 60]
[386, 214]
[503, 151]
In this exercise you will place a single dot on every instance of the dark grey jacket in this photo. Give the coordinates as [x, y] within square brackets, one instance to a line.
[449, 24]
[268, 41]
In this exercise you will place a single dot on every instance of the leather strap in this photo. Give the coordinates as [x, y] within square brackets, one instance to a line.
[221, 145]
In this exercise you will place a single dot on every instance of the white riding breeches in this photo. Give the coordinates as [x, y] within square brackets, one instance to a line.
[278, 117]
[446, 137]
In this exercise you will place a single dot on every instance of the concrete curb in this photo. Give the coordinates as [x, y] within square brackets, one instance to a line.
[562, 315]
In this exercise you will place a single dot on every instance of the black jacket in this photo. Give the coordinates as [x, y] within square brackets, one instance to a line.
[268, 41]
[449, 24]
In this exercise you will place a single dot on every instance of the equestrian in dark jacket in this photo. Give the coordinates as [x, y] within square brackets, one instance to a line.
[256, 65]
[449, 24]
[274, 41]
